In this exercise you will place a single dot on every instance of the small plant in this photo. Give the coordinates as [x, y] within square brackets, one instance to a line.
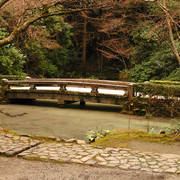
[139, 107]
[93, 135]
[147, 115]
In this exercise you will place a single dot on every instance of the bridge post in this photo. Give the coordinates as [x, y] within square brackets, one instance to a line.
[94, 90]
[130, 91]
[62, 87]
[5, 87]
[32, 86]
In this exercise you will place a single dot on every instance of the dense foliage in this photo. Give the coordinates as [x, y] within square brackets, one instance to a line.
[152, 58]
[130, 37]
[158, 98]
[11, 59]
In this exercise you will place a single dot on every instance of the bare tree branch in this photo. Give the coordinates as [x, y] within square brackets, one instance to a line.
[175, 51]
[2, 2]
[43, 14]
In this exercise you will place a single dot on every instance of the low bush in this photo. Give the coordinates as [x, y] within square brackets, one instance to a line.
[159, 98]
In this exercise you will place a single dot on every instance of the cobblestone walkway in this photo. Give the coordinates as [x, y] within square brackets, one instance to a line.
[11, 145]
[81, 153]
[109, 157]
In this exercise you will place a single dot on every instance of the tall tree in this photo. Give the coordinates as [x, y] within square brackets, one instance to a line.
[42, 11]
[171, 23]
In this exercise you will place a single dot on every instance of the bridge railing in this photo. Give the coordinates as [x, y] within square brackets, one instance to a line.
[63, 83]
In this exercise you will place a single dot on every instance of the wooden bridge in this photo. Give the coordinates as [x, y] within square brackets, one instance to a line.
[69, 90]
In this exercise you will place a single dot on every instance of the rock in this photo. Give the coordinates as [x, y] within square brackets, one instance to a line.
[99, 158]
[9, 135]
[59, 140]
[78, 157]
[102, 163]
[124, 166]
[146, 169]
[134, 163]
[86, 158]
[111, 165]
[152, 163]
[65, 159]
[71, 140]
[158, 170]
[135, 167]
[109, 149]
[104, 155]
[133, 160]
[10, 153]
[161, 164]
[76, 161]
[80, 142]
[52, 138]
[171, 170]
[114, 162]
[90, 162]
[54, 158]
[111, 159]
[142, 159]
[123, 161]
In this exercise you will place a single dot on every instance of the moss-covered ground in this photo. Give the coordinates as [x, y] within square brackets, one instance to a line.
[122, 138]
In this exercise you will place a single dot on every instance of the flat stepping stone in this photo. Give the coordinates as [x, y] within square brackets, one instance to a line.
[11, 145]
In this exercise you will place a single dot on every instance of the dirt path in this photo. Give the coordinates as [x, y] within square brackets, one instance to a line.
[19, 169]
[156, 148]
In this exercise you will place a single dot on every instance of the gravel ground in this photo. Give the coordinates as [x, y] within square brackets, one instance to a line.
[20, 169]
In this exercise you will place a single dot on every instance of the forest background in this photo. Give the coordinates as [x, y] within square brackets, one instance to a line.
[132, 40]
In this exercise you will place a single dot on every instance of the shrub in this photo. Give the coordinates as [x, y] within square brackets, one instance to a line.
[159, 98]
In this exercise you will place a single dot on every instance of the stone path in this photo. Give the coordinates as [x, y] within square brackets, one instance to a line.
[109, 157]
[11, 145]
[73, 151]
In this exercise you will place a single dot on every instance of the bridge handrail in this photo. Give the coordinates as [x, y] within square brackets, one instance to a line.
[76, 80]
[63, 83]
[82, 84]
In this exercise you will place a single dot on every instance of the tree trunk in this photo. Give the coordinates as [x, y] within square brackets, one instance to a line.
[84, 46]
[175, 51]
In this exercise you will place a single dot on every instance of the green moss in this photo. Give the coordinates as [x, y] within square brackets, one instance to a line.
[7, 131]
[43, 139]
[30, 158]
[121, 138]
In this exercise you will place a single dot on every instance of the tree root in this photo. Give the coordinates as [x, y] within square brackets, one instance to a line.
[12, 115]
